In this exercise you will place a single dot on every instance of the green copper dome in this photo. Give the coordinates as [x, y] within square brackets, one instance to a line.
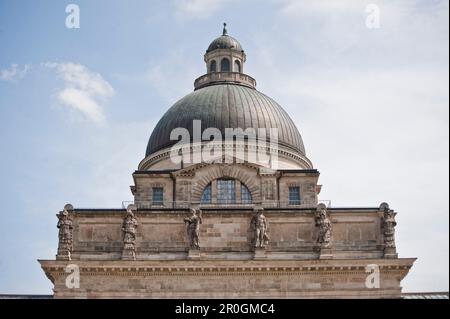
[226, 106]
[226, 99]
[225, 42]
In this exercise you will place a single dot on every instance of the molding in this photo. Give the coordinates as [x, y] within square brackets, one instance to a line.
[283, 151]
[389, 267]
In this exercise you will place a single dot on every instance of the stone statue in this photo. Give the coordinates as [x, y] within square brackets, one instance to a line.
[193, 228]
[65, 225]
[325, 227]
[389, 224]
[260, 226]
[129, 227]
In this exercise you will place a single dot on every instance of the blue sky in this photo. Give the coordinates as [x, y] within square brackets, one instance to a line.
[78, 105]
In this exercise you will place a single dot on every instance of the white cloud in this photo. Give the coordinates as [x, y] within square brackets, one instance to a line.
[14, 73]
[198, 9]
[81, 101]
[84, 91]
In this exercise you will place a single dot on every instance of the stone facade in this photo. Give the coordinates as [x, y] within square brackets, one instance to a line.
[268, 187]
[226, 233]
[291, 266]
[229, 279]
[227, 227]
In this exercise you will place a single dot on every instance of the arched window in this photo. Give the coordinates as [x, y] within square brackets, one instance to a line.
[213, 67]
[226, 190]
[206, 196]
[237, 66]
[246, 196]
[225, 65]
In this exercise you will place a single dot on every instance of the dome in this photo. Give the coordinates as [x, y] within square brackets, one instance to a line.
[225, 42]
[226, 106]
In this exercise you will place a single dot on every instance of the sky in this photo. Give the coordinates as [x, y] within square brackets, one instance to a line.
[77, 106]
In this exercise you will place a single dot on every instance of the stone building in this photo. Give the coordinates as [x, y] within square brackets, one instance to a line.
[221, 218]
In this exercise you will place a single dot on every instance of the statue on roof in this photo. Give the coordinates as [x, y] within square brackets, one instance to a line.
[325, 227]
[65, 234]
[389, 224]
[129, 228]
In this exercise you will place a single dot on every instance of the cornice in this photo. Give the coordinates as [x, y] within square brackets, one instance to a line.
[394, 267]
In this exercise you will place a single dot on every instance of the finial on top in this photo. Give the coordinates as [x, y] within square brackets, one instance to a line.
[225, 32]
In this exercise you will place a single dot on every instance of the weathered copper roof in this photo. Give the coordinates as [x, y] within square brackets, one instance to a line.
[226, 106]
[225, 42]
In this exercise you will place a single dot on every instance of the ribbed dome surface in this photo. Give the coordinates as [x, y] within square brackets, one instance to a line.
[226, 106]
[225, 42]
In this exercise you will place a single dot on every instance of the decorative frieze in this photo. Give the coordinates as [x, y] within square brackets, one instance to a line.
[396, 269]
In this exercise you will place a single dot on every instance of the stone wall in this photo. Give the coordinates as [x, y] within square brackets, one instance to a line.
[265, 185]
[226, 234]
[228, 279]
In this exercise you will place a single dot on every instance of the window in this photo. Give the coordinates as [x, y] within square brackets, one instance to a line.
[206, 196]
[225, 65]
[246, 196]
[213, 67]
[237, 66]
[226, 191]
[294, 195]
[158, 196]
